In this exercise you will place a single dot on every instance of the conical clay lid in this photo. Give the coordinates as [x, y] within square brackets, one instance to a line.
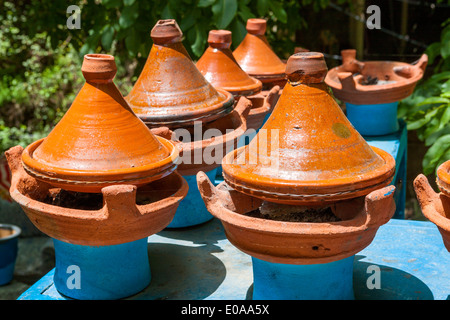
[307, 152]
[99, 141]
[221, 69]
[255, 55]
[170, 90]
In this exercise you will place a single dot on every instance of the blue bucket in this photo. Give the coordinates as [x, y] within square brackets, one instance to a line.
[373, 119]
[101, 272]
[8, 252]
[327, 281]
[192, 210]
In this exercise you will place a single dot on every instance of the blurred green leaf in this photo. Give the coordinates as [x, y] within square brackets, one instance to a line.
[224, 12]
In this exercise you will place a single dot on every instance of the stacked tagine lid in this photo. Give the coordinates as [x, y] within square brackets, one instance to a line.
[256, 57]
[170, 90]
[221, 69]
[443, 178]
[307, 152]
[99, 141]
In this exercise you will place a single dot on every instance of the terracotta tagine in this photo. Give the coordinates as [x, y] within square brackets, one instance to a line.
[436, 206]
[170, 85]
[371, 90]
[293, 157]
[99, 184]
[221, 69]
[170, 91]
[324, 168]
[256, 57]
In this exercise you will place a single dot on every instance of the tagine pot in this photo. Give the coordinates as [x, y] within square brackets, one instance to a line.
[291, 167]
[176, 102]
[221, 69]
[436, 206]
[99, 185]
[9, 236]
[371, 90]
[256, 57]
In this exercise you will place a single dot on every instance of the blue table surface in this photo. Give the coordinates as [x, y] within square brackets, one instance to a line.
[199, 263]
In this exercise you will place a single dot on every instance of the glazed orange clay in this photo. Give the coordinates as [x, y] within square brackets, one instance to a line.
[256, 57]
[170, 90]
[221, 69]
[99, 141]
[307, 152]
[395, 80]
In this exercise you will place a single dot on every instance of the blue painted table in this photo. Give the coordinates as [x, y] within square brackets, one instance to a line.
[199, 263]
[396, 145]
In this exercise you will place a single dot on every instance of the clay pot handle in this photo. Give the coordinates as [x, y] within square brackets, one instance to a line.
[347, 81]
[164, 132]
[424, 192]
[271, 96]
[120, 201]
[210, 194]
[421, 63]
[243, 107]
[380, 206]
[21, 180]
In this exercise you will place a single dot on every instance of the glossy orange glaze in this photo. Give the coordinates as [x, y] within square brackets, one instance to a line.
[307, 152]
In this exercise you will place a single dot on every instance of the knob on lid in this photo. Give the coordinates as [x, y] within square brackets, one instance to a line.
[307, 152]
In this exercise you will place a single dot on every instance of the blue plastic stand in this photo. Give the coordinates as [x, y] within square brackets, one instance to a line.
[199, 263]
[192, 210]
[396, 145]
[101, 272]
[373, 119]
[327, 281]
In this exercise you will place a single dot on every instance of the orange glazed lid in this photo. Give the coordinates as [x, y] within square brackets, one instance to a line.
[170, 90]
[255, 55]
[374, 82]
[99, 141]
[307, 152]
[221, 69]
[443, 178]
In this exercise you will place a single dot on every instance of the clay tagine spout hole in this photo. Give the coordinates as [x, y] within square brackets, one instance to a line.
[99, 68]
[165, 32]
[306, 67]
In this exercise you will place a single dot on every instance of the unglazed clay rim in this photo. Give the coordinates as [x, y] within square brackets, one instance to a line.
[67, 176]
[443, 178]
[211, 113]
[373, 94]
[329, 190]
[47, 212]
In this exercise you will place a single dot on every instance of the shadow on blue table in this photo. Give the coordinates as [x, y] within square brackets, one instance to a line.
[395, 284]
